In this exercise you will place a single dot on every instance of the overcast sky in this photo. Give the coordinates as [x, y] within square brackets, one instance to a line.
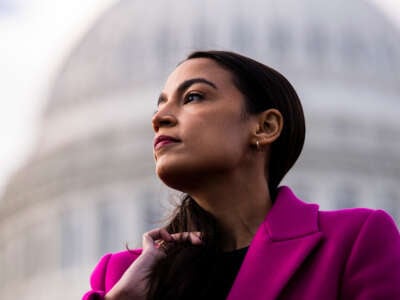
[35, 35]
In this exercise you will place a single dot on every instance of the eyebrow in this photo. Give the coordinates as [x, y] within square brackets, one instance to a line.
[185, 85]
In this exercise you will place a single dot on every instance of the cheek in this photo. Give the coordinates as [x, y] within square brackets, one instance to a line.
[219, 138]
[209, 145]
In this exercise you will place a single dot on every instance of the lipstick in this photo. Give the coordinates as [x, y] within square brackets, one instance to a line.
[164, 140]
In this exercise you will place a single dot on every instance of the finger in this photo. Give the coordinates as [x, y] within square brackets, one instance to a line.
[153, 237]
[159, 234]
[193, 237]
[165, 236]
[197, 233]
[195, 240]
[147, 241]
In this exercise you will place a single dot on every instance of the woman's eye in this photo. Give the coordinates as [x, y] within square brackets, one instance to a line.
[193, 97]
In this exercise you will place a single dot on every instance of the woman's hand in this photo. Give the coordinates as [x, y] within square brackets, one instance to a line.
[133, 284]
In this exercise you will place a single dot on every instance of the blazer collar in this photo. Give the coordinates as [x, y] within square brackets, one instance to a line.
[290, 217]
[288, 234]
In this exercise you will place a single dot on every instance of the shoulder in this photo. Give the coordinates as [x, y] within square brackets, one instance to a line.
[357, 222]
[111, 267]
[372, 240]
[354, 219]
[369, 242]
[120, 259]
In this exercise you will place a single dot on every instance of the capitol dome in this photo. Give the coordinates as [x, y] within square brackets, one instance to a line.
[320, 39]
[90, 186]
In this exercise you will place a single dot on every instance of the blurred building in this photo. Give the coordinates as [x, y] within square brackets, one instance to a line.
[90, 187]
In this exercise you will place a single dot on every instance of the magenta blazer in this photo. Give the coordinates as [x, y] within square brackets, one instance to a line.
[299, 252]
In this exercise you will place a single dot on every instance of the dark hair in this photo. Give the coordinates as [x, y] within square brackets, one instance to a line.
[187, 270]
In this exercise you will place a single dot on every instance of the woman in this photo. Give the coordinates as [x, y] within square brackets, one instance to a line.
[227, 130]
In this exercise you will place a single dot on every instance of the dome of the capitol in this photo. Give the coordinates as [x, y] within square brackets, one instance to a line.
[302, 37]
[89, 185]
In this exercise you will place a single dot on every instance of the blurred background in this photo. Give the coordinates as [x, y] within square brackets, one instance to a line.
[78, 85]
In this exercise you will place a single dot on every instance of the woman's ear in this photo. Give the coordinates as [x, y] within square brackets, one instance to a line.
[270, 124]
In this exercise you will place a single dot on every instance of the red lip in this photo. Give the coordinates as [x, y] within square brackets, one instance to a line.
[162, 140]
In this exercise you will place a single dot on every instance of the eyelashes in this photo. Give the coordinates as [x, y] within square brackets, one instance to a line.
[188, 98]
[193, 96]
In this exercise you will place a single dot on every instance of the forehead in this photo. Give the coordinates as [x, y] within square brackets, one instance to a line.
[198, 68]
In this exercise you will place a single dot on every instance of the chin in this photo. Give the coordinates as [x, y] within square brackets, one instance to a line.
[172, 176]
[184, 177]
[188, 176]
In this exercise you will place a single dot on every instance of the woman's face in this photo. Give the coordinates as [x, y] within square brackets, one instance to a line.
[201, 128]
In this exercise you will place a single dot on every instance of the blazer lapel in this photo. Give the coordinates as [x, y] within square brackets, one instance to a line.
[282, 242]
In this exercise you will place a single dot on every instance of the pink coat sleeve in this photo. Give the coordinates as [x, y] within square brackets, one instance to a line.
[373, 267]
[98, 279]
[108, 271]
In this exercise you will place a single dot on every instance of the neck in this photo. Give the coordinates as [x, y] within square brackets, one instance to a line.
[239, 203]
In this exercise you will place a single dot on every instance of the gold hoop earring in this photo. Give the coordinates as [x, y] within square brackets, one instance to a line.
[258, 145]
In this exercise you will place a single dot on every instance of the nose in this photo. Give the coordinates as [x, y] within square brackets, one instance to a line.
[163, 119]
